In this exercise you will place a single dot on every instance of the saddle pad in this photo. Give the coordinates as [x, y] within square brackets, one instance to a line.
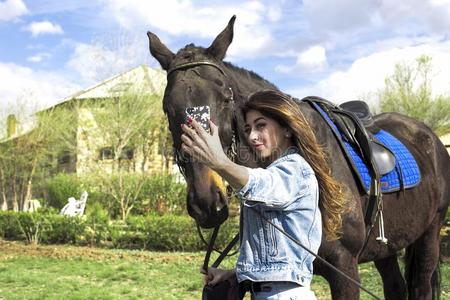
[406, 173]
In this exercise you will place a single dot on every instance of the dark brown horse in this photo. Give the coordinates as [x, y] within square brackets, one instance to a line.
[413, 218]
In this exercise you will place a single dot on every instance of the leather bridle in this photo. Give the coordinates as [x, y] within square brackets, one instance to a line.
[231, 153]
[232, 150]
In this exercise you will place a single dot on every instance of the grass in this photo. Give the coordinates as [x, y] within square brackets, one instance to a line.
[65, 272]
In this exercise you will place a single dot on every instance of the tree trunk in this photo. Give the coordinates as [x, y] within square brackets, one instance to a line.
[29, 185]
[15, 204]
[4, 199]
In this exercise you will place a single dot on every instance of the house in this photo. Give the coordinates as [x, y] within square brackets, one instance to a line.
[446, 141]
[92, 151]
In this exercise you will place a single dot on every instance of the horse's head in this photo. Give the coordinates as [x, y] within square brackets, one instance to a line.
[197, 76]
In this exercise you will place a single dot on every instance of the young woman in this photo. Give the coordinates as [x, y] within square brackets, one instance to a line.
[285, 189]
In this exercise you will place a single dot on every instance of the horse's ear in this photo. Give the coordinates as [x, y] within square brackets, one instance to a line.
[220, 45]
[159, 51]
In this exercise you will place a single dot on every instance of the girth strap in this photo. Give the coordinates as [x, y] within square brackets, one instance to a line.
[362, 143]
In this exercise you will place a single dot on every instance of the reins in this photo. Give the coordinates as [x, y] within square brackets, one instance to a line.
[233, 153]
[322, 260]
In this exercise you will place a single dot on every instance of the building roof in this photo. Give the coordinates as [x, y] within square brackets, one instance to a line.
[445, 139]
[148, 80]
[145, 79]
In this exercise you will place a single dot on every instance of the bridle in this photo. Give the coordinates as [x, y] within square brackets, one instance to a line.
[232, 150]
[231, 153]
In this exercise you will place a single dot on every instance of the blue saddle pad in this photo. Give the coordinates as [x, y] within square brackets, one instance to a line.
[406, 173]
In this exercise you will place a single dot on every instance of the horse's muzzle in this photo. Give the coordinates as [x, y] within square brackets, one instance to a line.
[208, 216]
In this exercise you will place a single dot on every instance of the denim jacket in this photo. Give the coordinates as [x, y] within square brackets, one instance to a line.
[287, 193]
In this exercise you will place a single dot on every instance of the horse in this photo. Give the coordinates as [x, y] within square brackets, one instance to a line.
[199, 76]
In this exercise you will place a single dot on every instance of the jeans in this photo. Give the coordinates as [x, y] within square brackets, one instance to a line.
[283, 291]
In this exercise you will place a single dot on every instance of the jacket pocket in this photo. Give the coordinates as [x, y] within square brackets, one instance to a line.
[271, 234]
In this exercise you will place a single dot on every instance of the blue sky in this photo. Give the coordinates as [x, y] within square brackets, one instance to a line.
[341, 50]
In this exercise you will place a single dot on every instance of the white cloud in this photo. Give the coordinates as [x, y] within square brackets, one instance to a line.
[185, 18]
[44, 27]
[40, 88]
[313, 59]
[365, 77]
[39, 57]
[433, 14]
[11, 9]
[325, 16]
[96, 62]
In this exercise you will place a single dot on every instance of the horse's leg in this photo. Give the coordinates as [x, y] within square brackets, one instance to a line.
[394, 285]
[341, 288]
[422, 259]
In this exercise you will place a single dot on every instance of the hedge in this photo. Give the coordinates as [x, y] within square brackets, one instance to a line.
[152, 232]
[159, 192]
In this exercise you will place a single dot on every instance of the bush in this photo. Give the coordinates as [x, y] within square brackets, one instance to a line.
[151, 232]
[158, 193]
[60, 229]
[169, 233]
[161, 193]
[61, 187]
[8, 225]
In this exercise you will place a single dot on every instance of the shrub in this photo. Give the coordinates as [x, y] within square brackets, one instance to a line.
[60, 229]
[60, 188]
[161, 193]
[152, 232]
[8, 225]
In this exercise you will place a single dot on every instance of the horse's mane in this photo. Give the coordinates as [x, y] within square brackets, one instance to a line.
[249, 75]
[243, 75]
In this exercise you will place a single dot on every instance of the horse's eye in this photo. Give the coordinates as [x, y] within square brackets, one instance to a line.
[218, 82]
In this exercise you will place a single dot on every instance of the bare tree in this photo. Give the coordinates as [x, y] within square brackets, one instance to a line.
[30, 156]
[409, 91]
[131, 121]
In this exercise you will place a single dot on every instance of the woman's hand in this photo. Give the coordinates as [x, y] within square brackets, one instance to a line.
[214, 276]
[202, 146]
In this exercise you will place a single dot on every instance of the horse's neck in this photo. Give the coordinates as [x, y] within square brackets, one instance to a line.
[246, 83]
[316, 122]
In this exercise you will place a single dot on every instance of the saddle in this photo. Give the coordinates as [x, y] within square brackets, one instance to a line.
[352, 122]
[383, 158]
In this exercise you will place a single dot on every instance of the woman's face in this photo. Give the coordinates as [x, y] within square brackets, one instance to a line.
[266, 136]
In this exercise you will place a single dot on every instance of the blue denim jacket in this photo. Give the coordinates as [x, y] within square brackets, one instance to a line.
[287, 193]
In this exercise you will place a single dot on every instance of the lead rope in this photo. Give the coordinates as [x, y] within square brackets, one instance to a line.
[316, 256]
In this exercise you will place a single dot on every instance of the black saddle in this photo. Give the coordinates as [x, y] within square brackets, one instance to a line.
[357, 127]
[383, 158]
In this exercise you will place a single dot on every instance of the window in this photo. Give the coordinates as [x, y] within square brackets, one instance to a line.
[127, 153]
[106, 153]
[64, 158]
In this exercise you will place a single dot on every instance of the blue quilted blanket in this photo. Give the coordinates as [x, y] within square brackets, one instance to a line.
[406, 173]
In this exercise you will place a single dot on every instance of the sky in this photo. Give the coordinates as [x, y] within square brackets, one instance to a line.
[341, 50]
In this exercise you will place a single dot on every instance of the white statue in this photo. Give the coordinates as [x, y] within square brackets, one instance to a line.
[31, 205]
[75, 207]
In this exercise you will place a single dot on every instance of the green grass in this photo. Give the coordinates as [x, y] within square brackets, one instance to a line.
[63, 272]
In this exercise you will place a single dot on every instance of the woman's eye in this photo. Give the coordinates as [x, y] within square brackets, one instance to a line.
[260, 125]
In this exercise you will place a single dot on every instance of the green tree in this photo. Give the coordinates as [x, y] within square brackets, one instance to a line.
[409, 91]
[134, 120]
[27, 158]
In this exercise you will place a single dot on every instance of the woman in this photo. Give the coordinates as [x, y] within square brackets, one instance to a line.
[285, 189]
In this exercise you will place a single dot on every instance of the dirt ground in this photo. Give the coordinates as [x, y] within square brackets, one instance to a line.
[10, 249]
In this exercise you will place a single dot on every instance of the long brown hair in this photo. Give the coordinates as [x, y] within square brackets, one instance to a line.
[286, 112]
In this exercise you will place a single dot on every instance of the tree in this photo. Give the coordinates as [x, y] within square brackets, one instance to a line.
[409, 91]
[132, 121]
[31, 156]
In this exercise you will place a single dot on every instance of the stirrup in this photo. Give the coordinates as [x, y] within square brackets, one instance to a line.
[381, 237]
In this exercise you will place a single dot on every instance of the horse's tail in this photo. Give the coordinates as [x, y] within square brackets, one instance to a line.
[411, 268]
